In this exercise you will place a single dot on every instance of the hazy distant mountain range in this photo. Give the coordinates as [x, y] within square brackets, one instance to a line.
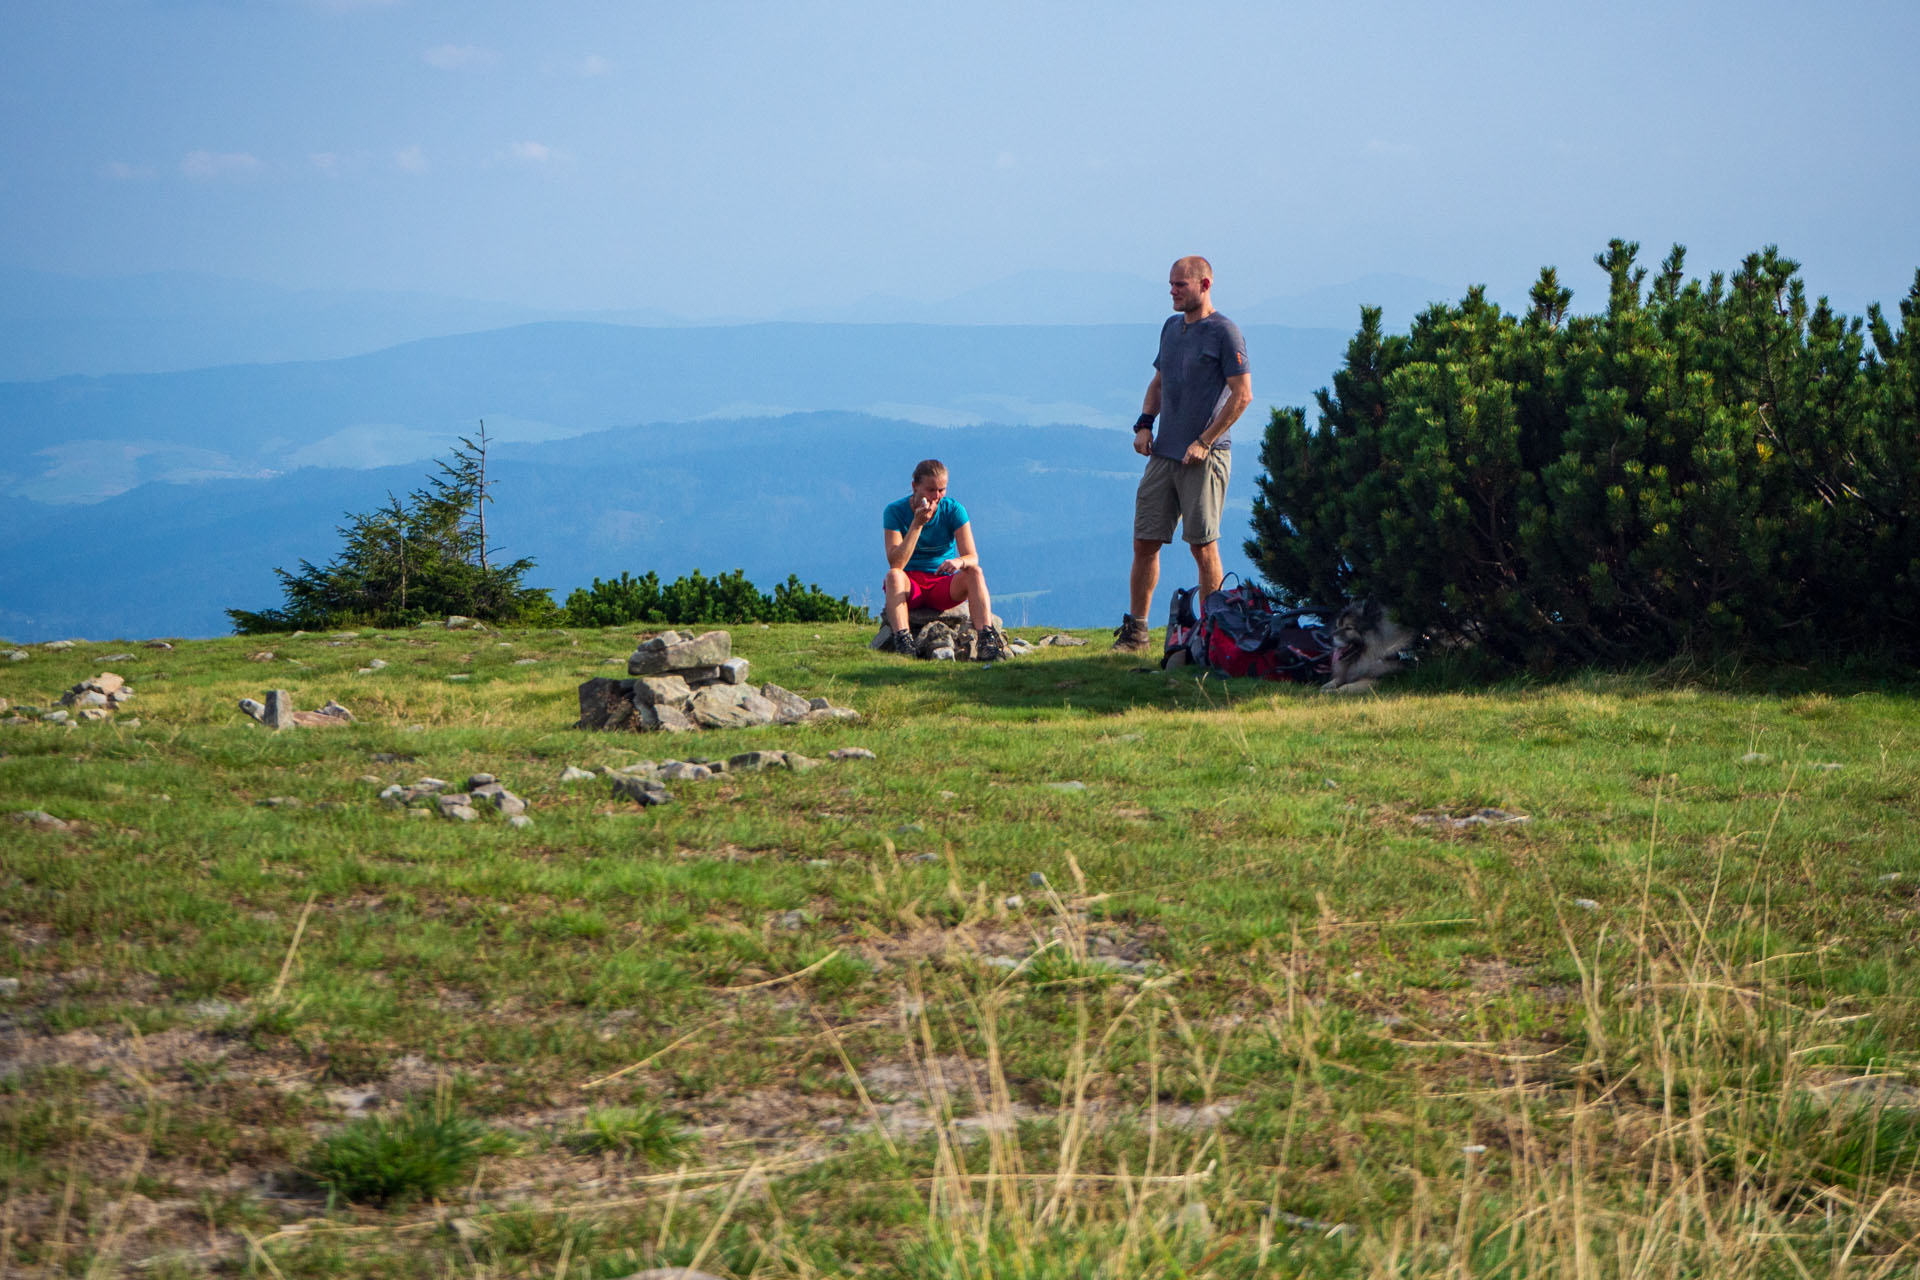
[1052, 508]
[80, 439]
[54, 325]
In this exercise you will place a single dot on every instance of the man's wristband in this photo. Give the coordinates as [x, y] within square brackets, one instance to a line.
[1143, 423]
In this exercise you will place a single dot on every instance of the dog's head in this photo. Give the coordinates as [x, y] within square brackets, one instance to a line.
[1366, 643]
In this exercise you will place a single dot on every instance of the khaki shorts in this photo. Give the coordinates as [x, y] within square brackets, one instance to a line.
[1193, 495]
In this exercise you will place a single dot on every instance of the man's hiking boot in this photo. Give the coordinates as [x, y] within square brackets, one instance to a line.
[992, 646]
[901, 642]
[1132, 635]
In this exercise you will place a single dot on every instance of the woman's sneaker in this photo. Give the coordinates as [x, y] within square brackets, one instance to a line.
[1132, 635]
[992, 645]
[901, 642]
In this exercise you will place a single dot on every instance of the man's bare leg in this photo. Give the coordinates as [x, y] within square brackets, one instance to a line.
[1206, 557]
[1144, 577]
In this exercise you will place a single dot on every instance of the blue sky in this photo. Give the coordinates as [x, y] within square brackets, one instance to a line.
[750, 159]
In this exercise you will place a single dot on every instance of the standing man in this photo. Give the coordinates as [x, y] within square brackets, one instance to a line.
[932, 562]
[1200, 386]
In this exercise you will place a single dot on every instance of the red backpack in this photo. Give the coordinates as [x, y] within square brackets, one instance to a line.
[1241, 633]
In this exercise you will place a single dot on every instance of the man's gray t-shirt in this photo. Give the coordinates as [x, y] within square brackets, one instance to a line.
[1195, 362]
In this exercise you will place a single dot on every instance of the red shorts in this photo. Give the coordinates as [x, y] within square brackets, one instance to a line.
[930, 590]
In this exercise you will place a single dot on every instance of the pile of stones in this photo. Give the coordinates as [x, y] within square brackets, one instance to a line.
[92, 699]
[682, 682]
[644, 783]
[430, 795]
[278, 712]
[947, 636]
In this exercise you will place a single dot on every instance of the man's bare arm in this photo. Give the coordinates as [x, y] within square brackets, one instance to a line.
[1239, 396]
[1149, 408]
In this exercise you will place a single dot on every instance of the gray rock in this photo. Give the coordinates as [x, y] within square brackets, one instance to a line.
[756, 761]
[642, 791]
[924, 857]
[526, 662]
[507, 803]
[1075, 785]
[253, 708]
[120, 697]
[729, 706]
[56, 717]
[131, 722]
[458, 812]
[90, 698]
[39, 820]
[733, 671]
[455, 622]
[486, 790]
[662, 691]
[461, 675]
[1014, 902]
[910, 829]
[121, 657]
[944, 653]
[789, 708]
[376, 664]
[9, 988]
[279, 802]
[1060, 640]
[799, 763]
[571, 774]
[396, 795]
[334, 710]
[850, 753]
[818, 704]
[819, 714]
[429, 784]
[477, 780]
[1586, 904]
[519, 820]
[58, 644]
[18, 655]
[663, 719]
[791, 920]
[159, 644]
[96, 713]
[659, 655]
[606, 704]
[682, 771]
[279, 711]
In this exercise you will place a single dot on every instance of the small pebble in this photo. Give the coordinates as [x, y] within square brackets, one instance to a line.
[520, 820]
[1474, 1149]
[850, 753]
[571, 774]
[1067, 786]
[1014, 902]
[1586, 904]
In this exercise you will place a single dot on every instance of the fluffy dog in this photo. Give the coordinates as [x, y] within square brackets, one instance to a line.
[1367, 644]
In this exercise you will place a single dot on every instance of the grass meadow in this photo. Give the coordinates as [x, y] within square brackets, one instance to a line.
[1093, 971]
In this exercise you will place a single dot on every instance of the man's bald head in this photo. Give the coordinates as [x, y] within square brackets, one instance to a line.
[1193, 267]
[1190, 283]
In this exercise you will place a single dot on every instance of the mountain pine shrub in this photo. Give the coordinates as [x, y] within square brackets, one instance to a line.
[1717, 468]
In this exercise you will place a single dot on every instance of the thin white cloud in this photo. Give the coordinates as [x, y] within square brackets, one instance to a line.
[529, 152]
[218, 164]
[121, 171]
[454, 57]
[594, 65]
[410, 160]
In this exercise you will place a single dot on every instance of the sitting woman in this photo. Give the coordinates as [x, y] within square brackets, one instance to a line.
[932, 562]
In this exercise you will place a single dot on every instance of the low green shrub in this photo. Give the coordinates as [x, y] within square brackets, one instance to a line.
[415, 1155]
[696, 598]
